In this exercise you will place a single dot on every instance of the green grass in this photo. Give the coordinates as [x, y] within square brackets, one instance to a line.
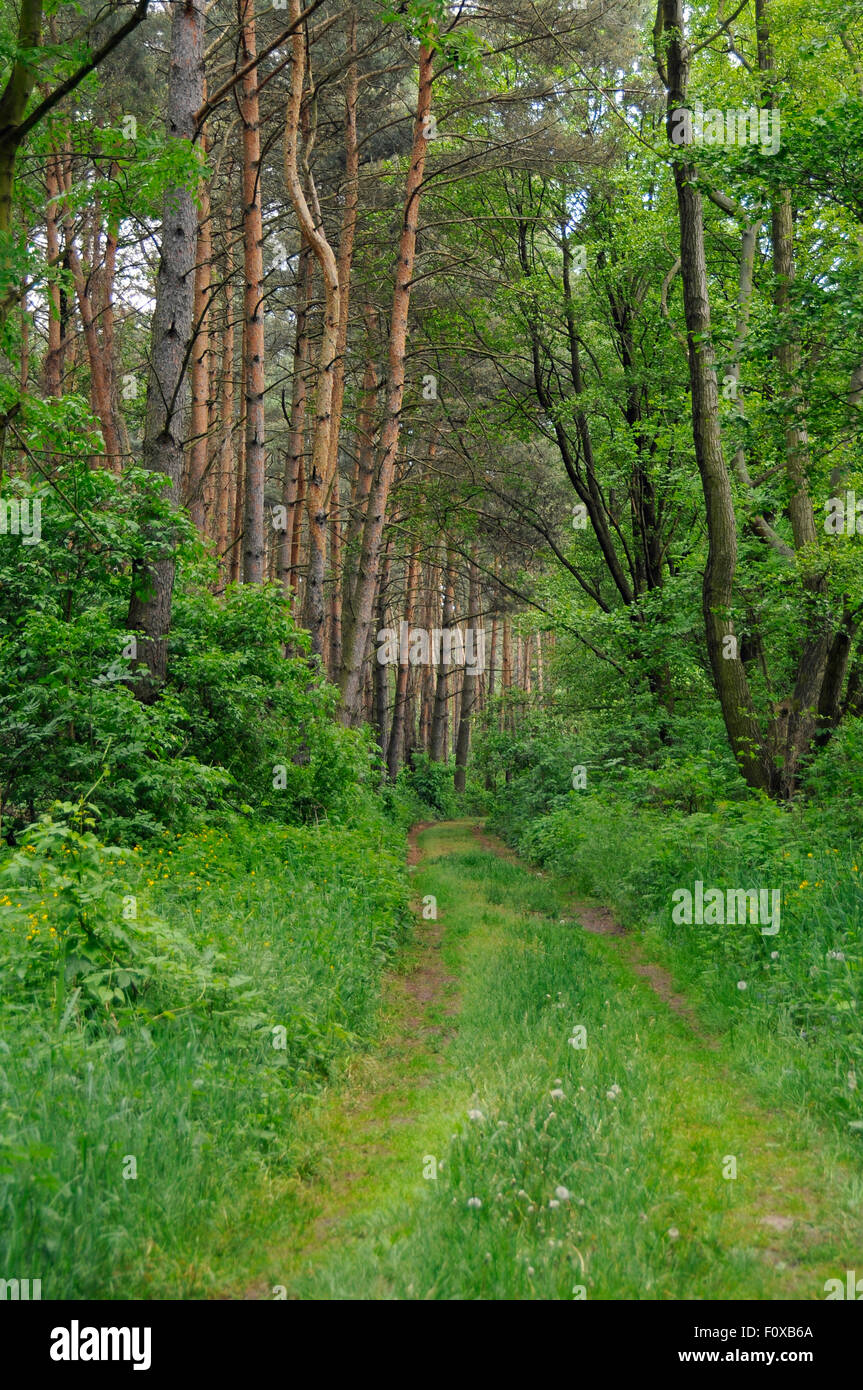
[308, 1169]
[648, 1212]
[797, 1024]
[200, 1098]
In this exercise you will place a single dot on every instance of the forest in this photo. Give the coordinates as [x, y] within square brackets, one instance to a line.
[431, 649]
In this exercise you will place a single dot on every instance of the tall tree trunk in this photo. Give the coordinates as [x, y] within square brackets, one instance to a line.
[167, 385]
[345, 260]
[380, 672]
[297, 533]
[794, 734]
[438, 742]
[254, 546]
[470, 683]
[492, 658]
[311, 226]
[396, 741]
[200, 374]
[100, 384]
[13, 102]
[356, 641]
[225, 463]
[729, 673]
[758, 524]
[427, 681]
[410, 721]
[291, 499]
[240, 474]
[506, 675]
[796, 722]
[364, 473]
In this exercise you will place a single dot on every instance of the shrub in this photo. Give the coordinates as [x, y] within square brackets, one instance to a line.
[432, 784]
[75, 937]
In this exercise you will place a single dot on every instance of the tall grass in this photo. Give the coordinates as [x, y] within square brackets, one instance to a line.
[793, 1000]
[588, 1172]
[140, 1154]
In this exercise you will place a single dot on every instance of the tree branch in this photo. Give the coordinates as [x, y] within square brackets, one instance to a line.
[70, 83]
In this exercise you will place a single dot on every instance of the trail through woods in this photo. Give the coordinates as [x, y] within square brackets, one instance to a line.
[476, 1152]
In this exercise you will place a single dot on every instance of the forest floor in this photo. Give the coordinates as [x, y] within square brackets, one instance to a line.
[639, 1165]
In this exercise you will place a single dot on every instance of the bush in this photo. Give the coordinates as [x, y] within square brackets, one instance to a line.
[76, 939]
[431, 784]
[237, 724]
[202, 1094]
[803, 987]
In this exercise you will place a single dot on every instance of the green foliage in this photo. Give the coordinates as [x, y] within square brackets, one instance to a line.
[138, 171]
[802, 986]
[251, 711]
[834, 779]
[234, 709]
[74, 936]
[201, 1085]
[428, 22]
[631, 751]
[563, 1170]
[431, 784]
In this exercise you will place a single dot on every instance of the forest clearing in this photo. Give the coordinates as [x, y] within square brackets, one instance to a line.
[431, 709]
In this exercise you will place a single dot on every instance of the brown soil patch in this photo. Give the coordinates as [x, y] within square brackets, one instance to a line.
[662, 984]
[427, 982]
[414, 853]
[778, 1223]
[598, 920]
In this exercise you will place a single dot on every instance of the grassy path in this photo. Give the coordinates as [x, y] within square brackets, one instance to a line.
[602, 1171]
